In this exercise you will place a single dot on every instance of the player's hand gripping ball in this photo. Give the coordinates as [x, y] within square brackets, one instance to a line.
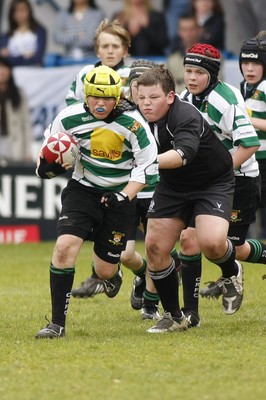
[60, 146]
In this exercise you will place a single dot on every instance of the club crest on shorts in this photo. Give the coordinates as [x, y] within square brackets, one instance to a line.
[235, 216]
[117, 238]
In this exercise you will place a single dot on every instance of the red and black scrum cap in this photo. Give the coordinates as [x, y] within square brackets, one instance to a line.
[204, 56]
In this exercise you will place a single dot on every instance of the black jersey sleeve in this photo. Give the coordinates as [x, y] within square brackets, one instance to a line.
[187, 126]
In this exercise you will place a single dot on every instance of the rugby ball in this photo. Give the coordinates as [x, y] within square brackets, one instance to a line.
[60, 145]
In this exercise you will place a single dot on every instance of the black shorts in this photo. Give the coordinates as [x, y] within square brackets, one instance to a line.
[262, 166]
[245, 204]
[140, 217]
[216, 200]
[84, 216]
[246, 200]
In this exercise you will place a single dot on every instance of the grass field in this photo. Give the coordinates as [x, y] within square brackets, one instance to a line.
[108, 354]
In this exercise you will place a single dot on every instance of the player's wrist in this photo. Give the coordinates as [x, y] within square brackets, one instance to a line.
[47, 170]
[115, 199]
[122, 196]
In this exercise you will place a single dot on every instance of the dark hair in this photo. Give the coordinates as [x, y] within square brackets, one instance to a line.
[91, 4]
[159, 75]
[33, 23]
[217, 7]
[12, 92]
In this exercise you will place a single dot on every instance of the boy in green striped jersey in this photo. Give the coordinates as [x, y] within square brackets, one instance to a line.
[112, 42]
[223, 107]
[117, 158]
[252, 62]
[143, 295]
[130, 257]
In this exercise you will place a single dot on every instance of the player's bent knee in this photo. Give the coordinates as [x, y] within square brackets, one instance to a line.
[214, 250]
[127, 258]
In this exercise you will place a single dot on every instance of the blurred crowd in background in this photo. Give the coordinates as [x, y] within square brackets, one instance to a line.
[62, 31]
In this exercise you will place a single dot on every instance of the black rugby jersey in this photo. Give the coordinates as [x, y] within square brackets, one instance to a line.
[206, 158]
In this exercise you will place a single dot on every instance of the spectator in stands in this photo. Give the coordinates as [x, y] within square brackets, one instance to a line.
[75, 29]
[243, 18]
[174, 9]
[188, 33]
[25, 41]
[146, 26]
[15, 125]
[210, 17]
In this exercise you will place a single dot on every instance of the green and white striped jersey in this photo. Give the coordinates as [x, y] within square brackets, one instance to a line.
[224, 109]
[256, 107]
[76, 91]
[110, 154]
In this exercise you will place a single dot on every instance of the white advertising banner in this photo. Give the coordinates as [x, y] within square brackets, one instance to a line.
[45, 89]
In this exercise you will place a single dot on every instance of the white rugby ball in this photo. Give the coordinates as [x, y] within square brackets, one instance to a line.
[60, 145]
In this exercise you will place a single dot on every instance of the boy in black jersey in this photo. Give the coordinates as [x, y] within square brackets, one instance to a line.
[196, 182]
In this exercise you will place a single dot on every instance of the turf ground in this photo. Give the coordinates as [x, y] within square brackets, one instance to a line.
[108, 354]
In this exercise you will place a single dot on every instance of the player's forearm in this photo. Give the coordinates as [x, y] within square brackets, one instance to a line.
[259, 123]
[169, 160]
[242, 154]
